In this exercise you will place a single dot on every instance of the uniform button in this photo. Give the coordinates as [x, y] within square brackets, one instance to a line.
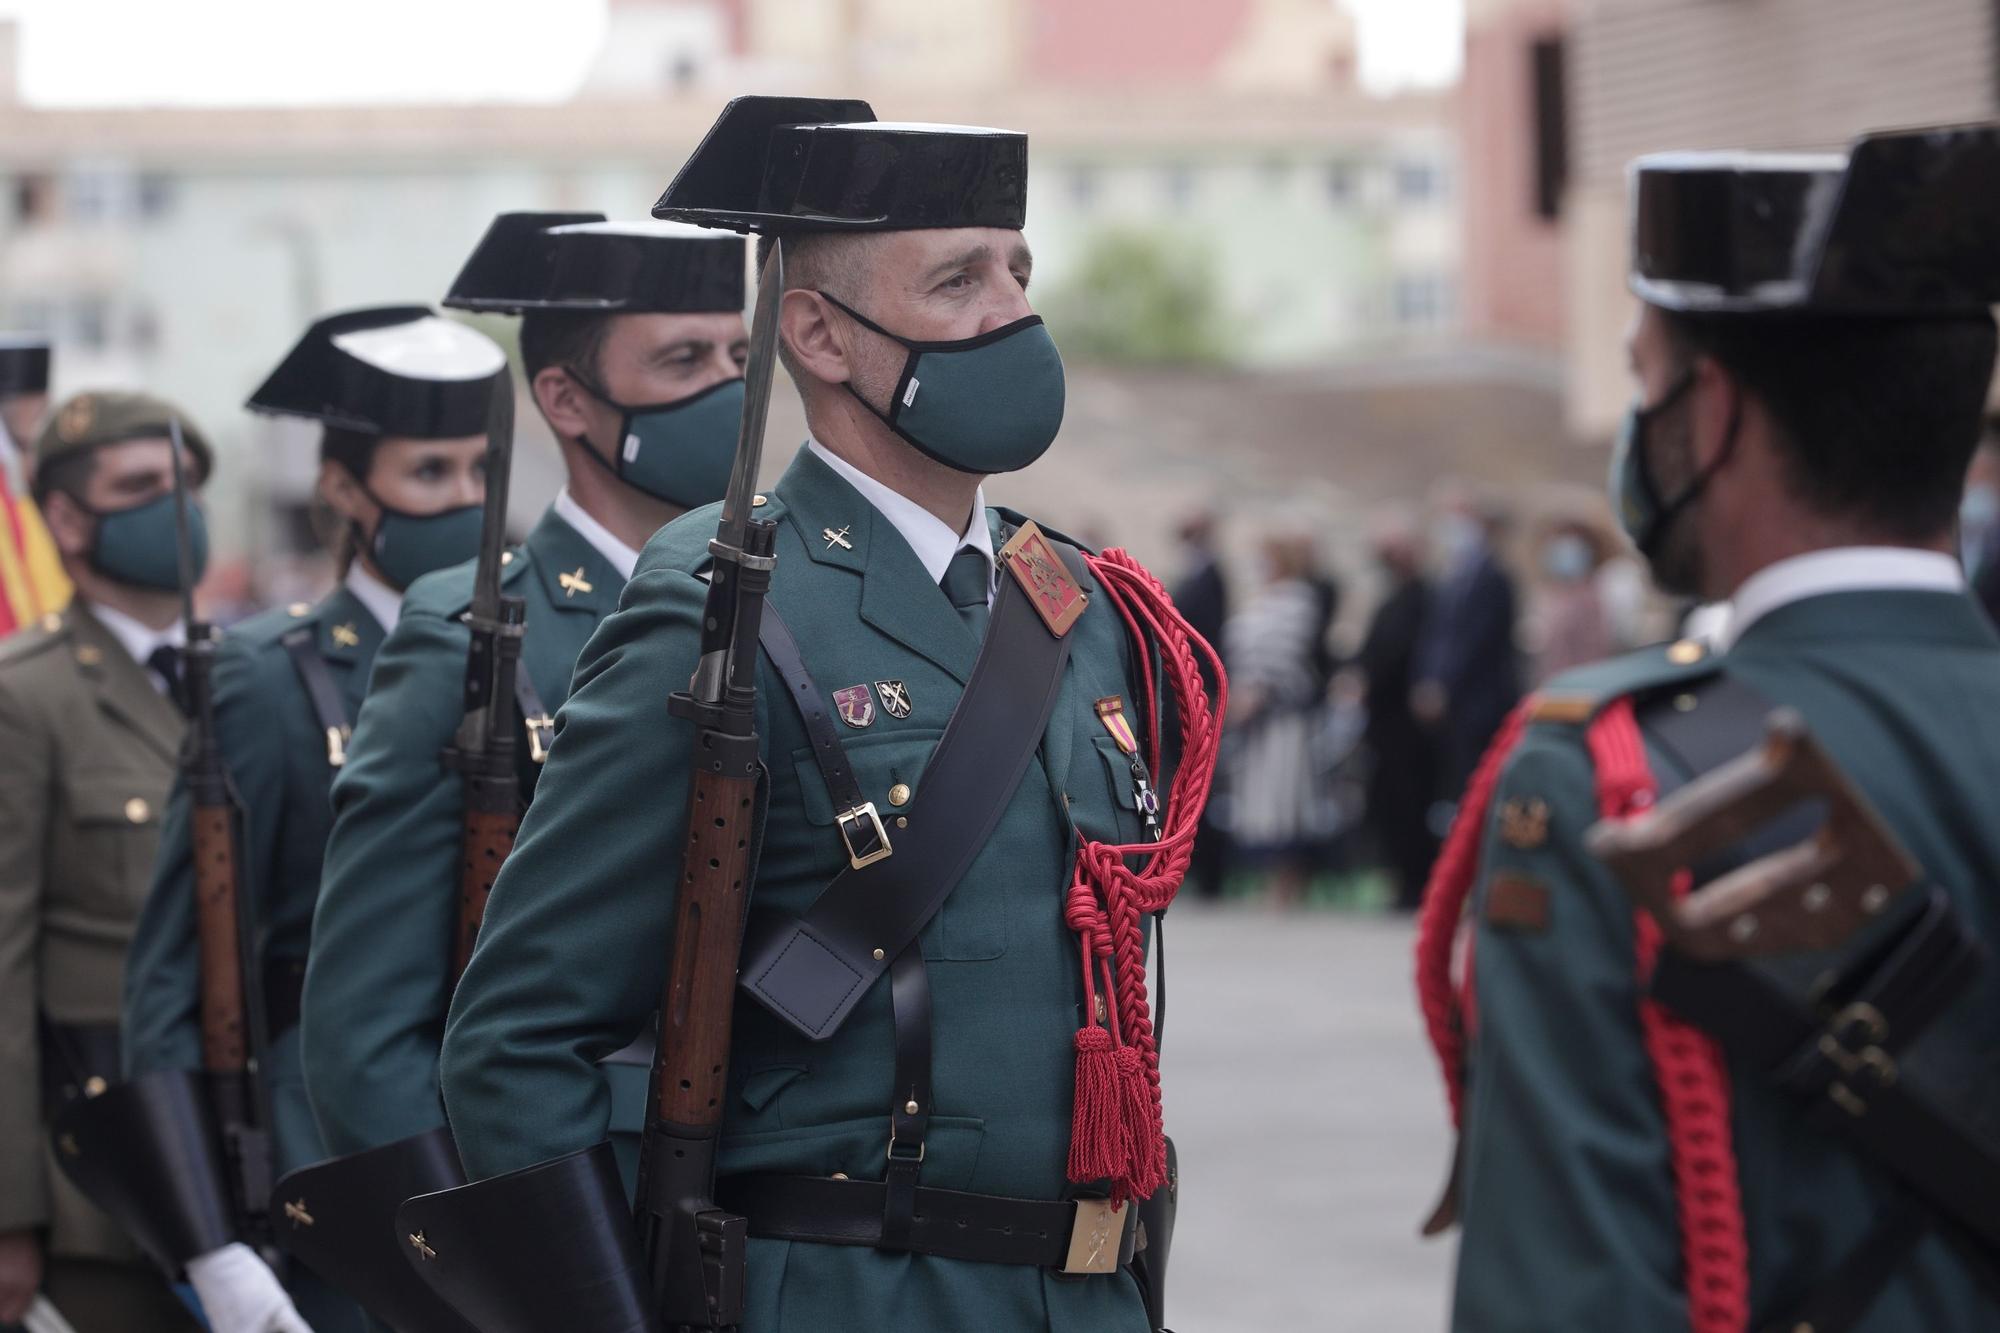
[758, 502]
[94, 1086]
[297, 609]
[840, 1175]
[137, 810]
[506, 557]
[910, 1108]
[52, 621]
[89, 655]
[1686, 652]
[899, 794]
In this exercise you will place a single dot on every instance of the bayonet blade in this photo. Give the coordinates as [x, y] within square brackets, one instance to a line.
[183, 536]
[499, 469]
[758, 373]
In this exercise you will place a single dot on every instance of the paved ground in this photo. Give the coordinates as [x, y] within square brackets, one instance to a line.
[1310, 1124]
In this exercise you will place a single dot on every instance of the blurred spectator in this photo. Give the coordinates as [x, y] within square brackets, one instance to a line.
[1573, 625]
[1278, 813]
[1202, 594]
[1979, 522]
[1467, 672]
[1403, 778]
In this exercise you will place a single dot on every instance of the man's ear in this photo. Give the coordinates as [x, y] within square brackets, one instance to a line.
[1717, 413]
[805, 325]
[561, 400]
[68, 525]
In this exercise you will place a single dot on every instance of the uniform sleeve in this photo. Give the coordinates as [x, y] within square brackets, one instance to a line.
[26, 759]
[571, 957]
[378, 974]
[1569, 1209]
[162, 1005]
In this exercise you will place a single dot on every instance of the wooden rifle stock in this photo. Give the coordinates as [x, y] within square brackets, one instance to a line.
[485, 757]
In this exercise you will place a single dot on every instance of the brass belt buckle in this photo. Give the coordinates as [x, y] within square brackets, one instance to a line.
[1095, 1239]
[863, 818]
[541, 734]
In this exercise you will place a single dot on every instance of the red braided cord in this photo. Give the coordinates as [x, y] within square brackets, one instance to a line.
[1107, 899]
[1445, 894]
[1694, 1082]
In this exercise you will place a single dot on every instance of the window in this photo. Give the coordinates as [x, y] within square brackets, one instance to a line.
[1551, 126]
[90, 322]
[93, 197]
[156, 195]
[1419, 182]
[1343, 183]
[1421, 300]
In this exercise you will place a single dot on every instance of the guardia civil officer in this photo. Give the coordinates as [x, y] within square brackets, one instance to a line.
[401, 396]
[632, 338]
[32, 583]
[88, 734]
[1810, 362]
[932, 1138]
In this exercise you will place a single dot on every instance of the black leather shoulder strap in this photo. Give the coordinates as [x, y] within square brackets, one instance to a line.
[828, 752]
[329, 709]
[812, 971]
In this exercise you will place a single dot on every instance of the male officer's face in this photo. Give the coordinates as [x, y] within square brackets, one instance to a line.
[932, 286]
[653, 358]
[122, 476]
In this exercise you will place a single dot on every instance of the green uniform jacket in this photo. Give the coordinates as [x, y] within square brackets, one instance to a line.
[379, 977]
[87, 751]
[275, 749]
[1569, 1206]
[571, 962]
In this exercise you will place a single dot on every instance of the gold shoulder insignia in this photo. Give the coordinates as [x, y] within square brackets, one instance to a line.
[1572, 709]
[1524, 823]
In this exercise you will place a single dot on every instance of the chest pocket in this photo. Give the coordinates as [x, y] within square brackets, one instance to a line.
[972, 924]
[1114, 816]
[105, 860]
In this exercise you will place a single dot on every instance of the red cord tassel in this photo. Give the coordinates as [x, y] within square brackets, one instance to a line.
[1098, 1148]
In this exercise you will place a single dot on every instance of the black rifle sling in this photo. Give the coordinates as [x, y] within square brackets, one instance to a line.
[909, 978]
[329, 709]
[811, 971]
[1944, 1177]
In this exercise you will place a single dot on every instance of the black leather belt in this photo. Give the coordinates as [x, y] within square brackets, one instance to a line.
[1077, 1236]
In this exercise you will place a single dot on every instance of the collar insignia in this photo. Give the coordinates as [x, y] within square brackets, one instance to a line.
[345, 636]
[572, 584]
[839, 539]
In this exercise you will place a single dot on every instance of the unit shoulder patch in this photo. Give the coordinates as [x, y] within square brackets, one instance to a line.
[1517, 902]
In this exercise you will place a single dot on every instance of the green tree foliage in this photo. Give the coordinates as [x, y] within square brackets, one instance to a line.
[1140, 298]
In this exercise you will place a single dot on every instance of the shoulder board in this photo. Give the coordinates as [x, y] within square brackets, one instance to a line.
[33, 640]
[1576, 697]
[683, 543]
[267, 627]
[448, 592]
[1012, 519]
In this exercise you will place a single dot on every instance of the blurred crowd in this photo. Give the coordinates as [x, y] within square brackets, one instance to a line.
[1349, 740]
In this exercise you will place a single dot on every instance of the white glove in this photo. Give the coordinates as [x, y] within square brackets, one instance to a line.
[240, 1294]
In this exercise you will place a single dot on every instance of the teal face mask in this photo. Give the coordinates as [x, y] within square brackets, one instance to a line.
[679, 452]
[1635, 497]
[137, 545]
[405, 546]
[987, 404]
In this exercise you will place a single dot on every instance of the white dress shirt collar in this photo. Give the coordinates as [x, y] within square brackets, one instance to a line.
[377, 598]
[1840, 569]
[138, 640]
[616, 553]
[929, 537]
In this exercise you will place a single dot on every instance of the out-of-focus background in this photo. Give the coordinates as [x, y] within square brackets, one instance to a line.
[1340, 290]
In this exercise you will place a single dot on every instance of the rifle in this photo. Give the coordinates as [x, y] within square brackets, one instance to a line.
[483, 750]
[233, 1025]
[695, 1250]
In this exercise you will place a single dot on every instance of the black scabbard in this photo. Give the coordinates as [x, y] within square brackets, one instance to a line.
[544, 1248]
[338, 1218]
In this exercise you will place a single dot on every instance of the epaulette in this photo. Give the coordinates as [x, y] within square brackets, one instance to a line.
[448, 592]
[1576, 697]
[36, 639]
[269, 626]
[683, 543]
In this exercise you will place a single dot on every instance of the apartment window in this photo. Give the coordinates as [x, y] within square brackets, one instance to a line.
[1343, 183]
[155, 195]
[1421, 300]
[1551, 126]
[1419, 182]
[93, 196]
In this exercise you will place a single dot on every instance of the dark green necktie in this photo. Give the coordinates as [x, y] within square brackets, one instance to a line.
[967, 580]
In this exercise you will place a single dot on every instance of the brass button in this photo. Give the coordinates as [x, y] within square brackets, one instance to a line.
[506, 557]
[902, 822]
[878, 955]
[297, 609]
[910, 1108]
[89, 654]
[758, 502]
[899, 794]
[840, 1175]
[1686, 652]
[137, 811]
[94, 1086]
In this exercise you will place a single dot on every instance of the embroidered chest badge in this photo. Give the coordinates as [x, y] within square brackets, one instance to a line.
[856, 706]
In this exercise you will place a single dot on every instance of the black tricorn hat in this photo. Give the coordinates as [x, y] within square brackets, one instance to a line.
[581, 261]
[24, 364]
[387, 370]
[782, 165]
[1907, 223]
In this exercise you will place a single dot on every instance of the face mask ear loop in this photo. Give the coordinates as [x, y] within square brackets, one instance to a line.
[1673, 509]
[910, 356]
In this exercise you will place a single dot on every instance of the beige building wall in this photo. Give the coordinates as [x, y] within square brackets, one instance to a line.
[1651, 75]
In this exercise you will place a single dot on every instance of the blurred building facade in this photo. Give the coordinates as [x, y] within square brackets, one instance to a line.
[183, 248]
[1559, 95]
